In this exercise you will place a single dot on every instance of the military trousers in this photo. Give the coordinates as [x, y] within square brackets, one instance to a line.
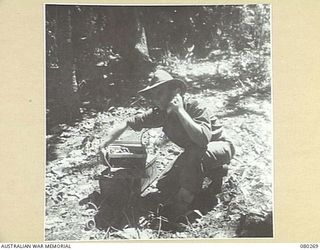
[184, 178]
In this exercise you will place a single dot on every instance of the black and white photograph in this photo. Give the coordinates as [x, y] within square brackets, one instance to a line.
[159, 122]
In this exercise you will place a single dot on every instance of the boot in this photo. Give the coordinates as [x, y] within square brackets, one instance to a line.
[205, 201]
[179, 205]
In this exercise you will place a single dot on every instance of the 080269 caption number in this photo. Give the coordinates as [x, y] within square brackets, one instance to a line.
[311, 246]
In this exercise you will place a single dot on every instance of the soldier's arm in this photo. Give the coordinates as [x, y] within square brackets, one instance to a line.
[194, 130]
[114, 134]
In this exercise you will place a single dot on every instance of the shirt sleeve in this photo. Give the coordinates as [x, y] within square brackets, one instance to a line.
[150, 119]
[200, 116]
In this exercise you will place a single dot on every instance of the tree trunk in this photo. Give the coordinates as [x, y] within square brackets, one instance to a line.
[68, 84]
[128, 37]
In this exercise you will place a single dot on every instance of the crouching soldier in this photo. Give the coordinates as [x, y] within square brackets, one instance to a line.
[190, 127]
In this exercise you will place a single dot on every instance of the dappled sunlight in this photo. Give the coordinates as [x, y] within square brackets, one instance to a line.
[222, 55]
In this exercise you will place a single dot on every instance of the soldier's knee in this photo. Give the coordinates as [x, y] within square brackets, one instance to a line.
[218, 153]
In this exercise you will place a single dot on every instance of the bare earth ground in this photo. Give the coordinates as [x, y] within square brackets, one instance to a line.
[247, 190]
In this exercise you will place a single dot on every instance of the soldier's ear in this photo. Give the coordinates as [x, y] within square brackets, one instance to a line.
[175, 89]
[178, 91]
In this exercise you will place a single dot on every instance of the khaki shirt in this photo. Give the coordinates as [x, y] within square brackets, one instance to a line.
[173, 128]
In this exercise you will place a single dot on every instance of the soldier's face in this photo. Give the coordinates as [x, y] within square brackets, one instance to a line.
[161, 96]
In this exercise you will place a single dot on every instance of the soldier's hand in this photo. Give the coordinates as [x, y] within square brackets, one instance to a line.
[176, 104]
[102, 148]
[101, 154]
